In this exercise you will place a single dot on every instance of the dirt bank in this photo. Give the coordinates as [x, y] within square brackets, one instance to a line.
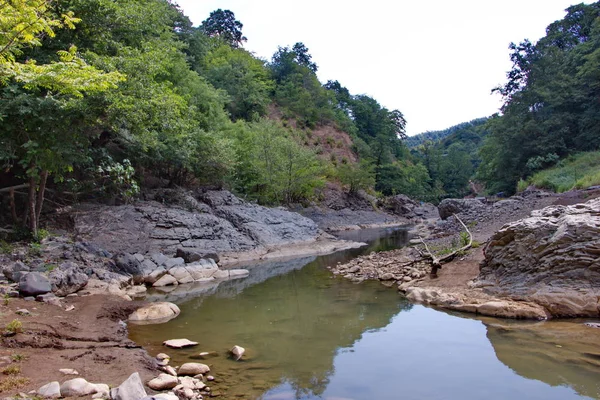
[89, 339]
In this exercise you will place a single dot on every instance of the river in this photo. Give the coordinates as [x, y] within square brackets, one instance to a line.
[310, 335]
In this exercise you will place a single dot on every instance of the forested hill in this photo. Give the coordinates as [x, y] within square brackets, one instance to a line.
[460, 130]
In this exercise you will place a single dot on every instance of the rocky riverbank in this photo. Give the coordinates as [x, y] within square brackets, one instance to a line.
[537, 267]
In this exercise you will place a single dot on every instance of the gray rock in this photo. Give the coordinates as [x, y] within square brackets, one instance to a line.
[155, 275]
[174, 262]
[34, 284]
[449, 207]
[131, 389]
[139, 257]
[67, 279]
[159, 259]
[50, 390]
[181, 274]
[14, 271]
[191, 256]
[128, 264]
[237, 352]
[162, 396]
[550, 258]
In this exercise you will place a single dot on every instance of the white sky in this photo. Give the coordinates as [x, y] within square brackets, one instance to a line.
[436, 61]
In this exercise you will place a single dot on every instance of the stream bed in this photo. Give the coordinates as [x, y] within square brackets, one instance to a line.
[309, 335]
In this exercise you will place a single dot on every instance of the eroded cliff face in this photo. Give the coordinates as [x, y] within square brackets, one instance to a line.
[551, 258]
[203, 222]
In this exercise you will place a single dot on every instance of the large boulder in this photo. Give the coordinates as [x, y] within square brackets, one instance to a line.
[400, 204]
[155, 313]
[129, 264]
[449, 207]
[33, 284]
[67, 279]
[550, 258]
[13, 272]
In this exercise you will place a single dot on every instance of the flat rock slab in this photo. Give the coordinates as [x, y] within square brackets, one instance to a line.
[156, 313]
[179, 343]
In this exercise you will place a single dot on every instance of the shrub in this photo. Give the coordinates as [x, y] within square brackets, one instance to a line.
[15, 326]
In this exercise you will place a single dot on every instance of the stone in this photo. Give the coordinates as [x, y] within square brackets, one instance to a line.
[237, 352]
[159, 259]
[155, 313]
[165, 280]
[192, 255]
[221, 274]
[102, 391]
[23, 311]
[181, 274]
[139, 257]
[201, 270]
[174, 262]
[179, 343]
[155, 275]
[68, 371]
[184, 393]
[449, 207]
[162, 396]
[77, 387]
[191, 383]
[592, 324]
[168, 370]
[163, 382]
[128, 264]
[14, 271]
[50, 390]
[34, 284]
[162, 356]
[210, 378]
[193, 369]
[131, 389]
[550, 259]
[67, 279]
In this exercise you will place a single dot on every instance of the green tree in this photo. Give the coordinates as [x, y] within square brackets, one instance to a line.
[222, 24]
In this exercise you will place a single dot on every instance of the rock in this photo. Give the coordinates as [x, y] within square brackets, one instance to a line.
[34, 284]
[136, 291]
[449, 207]
[162, 396]
[77, 387]
[155, 313]
[67, 279]
[163, 382]
[174, 262]
[181, 274]
[162, 356]
[159, 258]
[184, 393]
[14, 271]
[131, 389]
[592, 324]
[237, 352]
[191, 256]
[191, 383]
[68, 371]
[23, 311]
[210, 378]
[102, 391]
[50, 390]
[221, 274]
[179, 343]
[400, 205]
[193, 369]
[169, 370]
[165, 280]
[139, 257]
[128, 264]
[155, 275]
[550, 258]
[202, 270]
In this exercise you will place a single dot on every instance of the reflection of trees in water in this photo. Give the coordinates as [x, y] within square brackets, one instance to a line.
[560, 353]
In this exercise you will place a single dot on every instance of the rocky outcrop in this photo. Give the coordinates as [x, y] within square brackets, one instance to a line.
[551, 258]
[209, 224]
[449, 207]
[404, 206]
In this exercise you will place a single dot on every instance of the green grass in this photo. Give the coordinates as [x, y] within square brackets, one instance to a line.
[578, 171]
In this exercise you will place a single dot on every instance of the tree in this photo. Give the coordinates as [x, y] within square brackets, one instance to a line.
[37, 142]
[222, 24]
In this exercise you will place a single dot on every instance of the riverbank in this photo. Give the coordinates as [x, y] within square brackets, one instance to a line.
[456, 285]
[90, 339]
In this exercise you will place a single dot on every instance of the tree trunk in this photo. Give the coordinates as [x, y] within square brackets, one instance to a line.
[31, 207]
[13, 207]
[40, 196]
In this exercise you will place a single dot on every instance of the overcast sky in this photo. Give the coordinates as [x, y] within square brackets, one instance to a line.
[436, 61]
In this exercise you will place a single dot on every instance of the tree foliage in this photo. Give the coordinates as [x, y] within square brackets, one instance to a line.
[222, 24]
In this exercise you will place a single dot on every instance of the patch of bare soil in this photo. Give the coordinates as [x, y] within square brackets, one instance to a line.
[90, 339]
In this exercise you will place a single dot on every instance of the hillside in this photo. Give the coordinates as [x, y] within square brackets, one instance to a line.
[460, 132]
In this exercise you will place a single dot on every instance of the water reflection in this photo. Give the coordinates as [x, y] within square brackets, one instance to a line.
[311, 336]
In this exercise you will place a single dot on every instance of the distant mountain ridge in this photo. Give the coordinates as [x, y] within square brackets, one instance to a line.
[437, 136]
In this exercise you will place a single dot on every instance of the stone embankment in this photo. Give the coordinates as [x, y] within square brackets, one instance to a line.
[542, 266]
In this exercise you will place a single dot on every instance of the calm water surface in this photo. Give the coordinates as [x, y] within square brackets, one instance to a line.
[309, 335]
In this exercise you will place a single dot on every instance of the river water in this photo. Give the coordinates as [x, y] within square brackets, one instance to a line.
[309, 335]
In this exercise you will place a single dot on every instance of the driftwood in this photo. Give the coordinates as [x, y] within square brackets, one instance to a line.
[436, 262]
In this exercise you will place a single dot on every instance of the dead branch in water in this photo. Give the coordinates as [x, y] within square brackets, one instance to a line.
[436, 262]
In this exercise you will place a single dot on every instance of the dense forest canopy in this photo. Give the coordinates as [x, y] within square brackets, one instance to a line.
[101, 99]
